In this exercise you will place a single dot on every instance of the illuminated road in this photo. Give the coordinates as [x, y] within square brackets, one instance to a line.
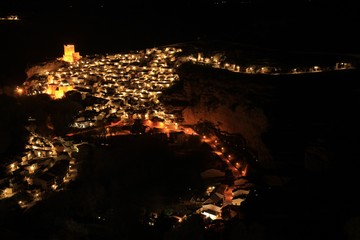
[211, 141]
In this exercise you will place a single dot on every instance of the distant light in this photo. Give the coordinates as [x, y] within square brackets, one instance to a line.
[19, 91]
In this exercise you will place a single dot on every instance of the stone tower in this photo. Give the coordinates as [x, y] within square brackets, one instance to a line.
[69, 54]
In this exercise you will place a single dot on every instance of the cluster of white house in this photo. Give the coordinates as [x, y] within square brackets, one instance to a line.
[220, 197]
[46, 165]
[126, 86]
[216, 61]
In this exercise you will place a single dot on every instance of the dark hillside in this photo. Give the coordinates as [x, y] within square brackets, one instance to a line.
[282, 114]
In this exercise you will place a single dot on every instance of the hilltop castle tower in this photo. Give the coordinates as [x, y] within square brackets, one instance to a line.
[69, 54]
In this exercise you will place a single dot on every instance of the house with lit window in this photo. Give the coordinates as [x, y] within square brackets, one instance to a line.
[211, 211]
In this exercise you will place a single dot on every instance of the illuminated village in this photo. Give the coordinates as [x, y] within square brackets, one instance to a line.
[180, 120]
[10, 18]
[127, 88]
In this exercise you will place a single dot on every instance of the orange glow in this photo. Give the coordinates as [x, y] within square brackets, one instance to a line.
[244, 172]
[19, 91]
[50, 79]
[160, 125]
[59, 94]
[51, 89]
[58, 91]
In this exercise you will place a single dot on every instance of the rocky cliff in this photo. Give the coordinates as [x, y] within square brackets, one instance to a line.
[234, 105]
[280, 116]
[44, 67]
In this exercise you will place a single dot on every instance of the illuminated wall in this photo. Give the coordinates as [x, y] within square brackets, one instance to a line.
[51, 89]
[61, 90]
[58, 91]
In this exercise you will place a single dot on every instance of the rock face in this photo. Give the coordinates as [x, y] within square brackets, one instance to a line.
[227, 102]
[279, 116]
[232, 116]
[45, 67]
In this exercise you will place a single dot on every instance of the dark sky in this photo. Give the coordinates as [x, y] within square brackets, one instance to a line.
[315, 24]
[334, 7]
[341, 12]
